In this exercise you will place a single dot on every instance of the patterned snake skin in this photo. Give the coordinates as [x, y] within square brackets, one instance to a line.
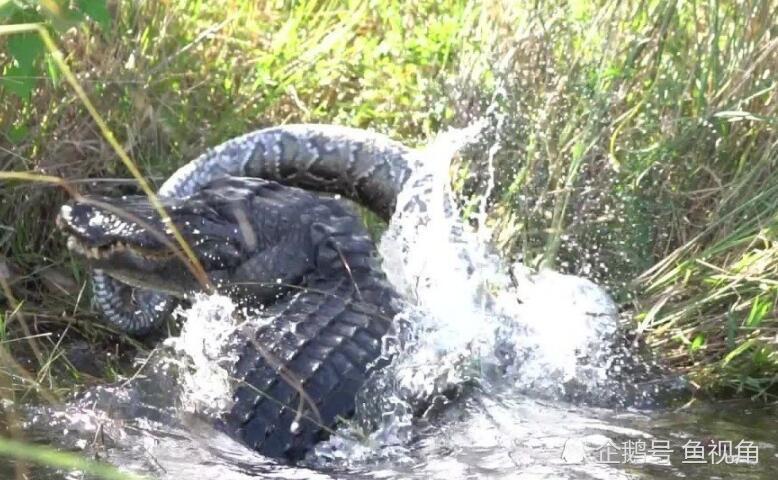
[366, 167]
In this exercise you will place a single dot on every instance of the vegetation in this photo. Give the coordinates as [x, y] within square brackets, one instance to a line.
[639, 147]
[633, 142]
[50, 457]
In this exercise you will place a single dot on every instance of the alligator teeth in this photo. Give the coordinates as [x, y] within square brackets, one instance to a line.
[101, 253]
[73, 244]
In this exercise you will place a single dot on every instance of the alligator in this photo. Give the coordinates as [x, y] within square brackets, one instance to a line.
[265, 240]
[307, 261]
[363, 166]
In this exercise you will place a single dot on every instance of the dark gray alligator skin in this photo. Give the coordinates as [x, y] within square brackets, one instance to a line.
[366, 167]
[328, 338]
[299, 358]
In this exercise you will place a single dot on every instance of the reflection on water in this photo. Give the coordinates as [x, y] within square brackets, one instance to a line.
[500, 435]
[492, 376]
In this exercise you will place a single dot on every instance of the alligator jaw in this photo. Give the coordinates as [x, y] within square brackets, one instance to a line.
[105, 252]
[77, 244]
[109, 255]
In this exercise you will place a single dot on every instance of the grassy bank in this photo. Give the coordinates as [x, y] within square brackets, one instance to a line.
[634, 143]
[640, 148]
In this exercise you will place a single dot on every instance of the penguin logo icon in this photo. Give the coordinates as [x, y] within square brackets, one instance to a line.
[573, 451]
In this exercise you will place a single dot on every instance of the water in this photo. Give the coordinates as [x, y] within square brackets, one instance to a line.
[497, 372]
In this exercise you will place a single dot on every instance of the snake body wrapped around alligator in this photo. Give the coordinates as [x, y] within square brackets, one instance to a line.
[264, 239]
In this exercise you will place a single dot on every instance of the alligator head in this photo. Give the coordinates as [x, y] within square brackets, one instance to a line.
[248, 234]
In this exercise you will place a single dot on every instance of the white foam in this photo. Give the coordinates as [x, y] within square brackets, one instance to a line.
[205, 354]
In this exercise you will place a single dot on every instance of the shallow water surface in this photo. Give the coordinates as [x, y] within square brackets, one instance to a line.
[507, 435]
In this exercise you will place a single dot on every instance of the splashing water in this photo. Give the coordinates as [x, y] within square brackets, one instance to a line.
[489, 369]
[466, 295]
[470, 320]
[206, 386]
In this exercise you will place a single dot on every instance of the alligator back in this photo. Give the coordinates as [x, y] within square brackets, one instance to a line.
[300, 373]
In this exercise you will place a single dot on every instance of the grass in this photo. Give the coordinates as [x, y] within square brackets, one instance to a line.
[631, 142]
[52, 458]
[638, 146]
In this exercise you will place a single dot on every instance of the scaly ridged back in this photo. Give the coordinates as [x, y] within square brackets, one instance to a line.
[366, 167]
